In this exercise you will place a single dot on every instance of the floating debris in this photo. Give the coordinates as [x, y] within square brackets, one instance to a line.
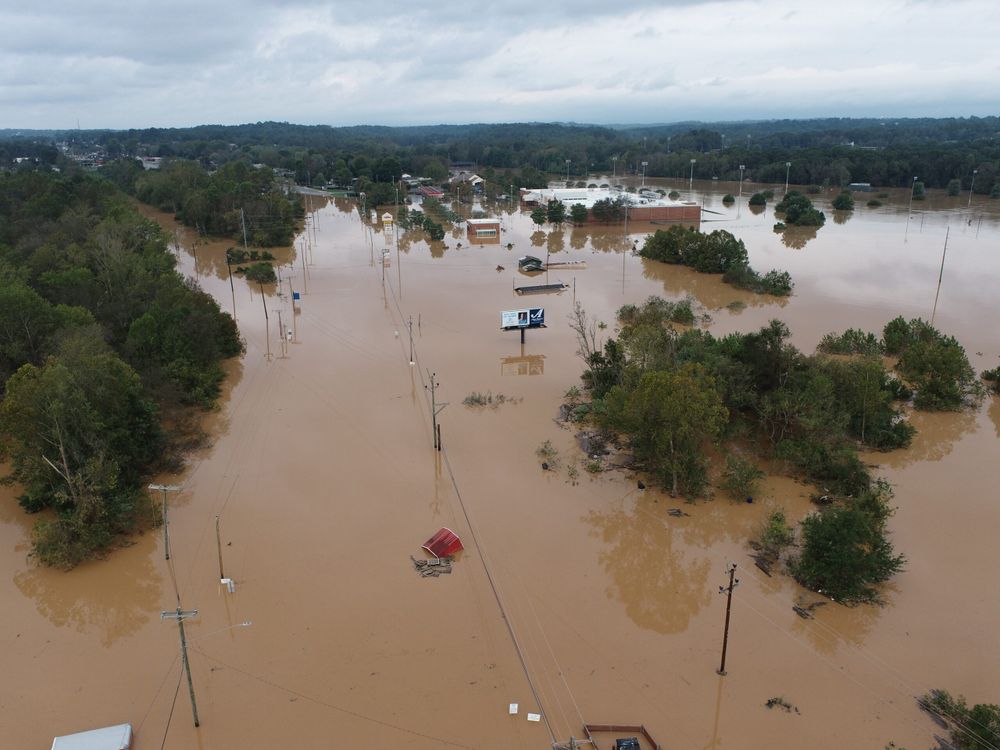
[677, 513]
[432, 568]
[807, 612]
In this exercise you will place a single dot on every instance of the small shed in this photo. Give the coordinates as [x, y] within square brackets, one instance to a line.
[108, 738]
[445, 542]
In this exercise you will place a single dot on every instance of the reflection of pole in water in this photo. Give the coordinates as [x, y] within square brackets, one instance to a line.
[715, 741]
[295, 325]
[944, 254]
[232, 288]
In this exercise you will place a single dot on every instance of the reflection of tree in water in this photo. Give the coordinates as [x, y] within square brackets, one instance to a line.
[797, 237]
[937, 433]
[538, 238]
[994, 413]
[437, 248]
[660, 589]
[708, 289]
[555, 242]
[757, 210]
[115, 597]
[578, 238]
[842, 217]
[609, 241]
[345, 205]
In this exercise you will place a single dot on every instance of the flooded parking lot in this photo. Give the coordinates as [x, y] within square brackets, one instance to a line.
[324, 478]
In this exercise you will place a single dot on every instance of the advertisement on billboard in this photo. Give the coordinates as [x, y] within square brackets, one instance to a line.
[533, 317]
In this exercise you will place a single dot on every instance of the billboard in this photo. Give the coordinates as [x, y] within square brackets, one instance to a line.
[533, 317]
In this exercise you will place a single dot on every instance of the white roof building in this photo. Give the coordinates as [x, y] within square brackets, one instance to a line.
[587, 197]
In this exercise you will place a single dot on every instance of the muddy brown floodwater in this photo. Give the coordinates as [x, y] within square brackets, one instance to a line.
[325, 481]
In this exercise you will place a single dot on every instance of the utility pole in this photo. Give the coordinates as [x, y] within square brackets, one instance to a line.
[410, 325]
[243, 225]
[267, 322]
[436, 408]
[974, 173]
[180, 615]
[944, 254]
[728, 590]
[305, 279]
[281, 334]
[218, 544]
[295, 327]
[232, 288]
[788, 171]
[165, 488]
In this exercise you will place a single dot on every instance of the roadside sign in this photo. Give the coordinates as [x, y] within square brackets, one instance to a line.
[533, 317]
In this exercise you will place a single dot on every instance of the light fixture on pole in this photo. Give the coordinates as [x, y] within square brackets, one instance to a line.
[691, 178]
[788, 171]
[974, 173]
[644, 165]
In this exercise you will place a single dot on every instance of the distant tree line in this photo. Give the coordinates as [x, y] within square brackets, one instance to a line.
[105, 350]
[832, 151]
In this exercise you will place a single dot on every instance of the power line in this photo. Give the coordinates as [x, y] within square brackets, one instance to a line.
[325, 704]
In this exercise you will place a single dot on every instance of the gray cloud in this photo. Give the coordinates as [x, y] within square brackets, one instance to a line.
[122, 64]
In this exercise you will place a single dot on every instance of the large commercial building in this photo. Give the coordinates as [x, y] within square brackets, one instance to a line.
[645, 205]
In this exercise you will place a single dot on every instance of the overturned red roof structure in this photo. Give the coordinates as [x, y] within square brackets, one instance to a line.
[445, 542]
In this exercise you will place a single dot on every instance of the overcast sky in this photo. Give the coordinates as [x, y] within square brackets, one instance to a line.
[132, 63]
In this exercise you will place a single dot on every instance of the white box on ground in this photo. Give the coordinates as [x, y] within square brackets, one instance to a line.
[534, 717]
[512, 709]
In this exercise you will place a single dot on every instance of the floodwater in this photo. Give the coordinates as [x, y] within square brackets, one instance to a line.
[324, 479]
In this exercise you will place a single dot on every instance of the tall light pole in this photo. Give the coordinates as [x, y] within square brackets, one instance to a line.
[974, 173]
[614, 169]
[788, 171]
[742, 167]
[909, 210]
[691, 179]
[739, 199]
[567, 172]
[644, 165]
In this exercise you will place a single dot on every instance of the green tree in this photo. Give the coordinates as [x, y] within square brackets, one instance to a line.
[954, 187]
[539, 215]
[578, 213]
[799, 210]
[975, 728]
[919, 192]
[669, 417]
[555, 212]
[845, 553]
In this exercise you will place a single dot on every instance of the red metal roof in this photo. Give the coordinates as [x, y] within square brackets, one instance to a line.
[445, 542]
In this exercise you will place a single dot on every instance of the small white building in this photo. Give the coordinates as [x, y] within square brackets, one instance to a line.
[482, 229]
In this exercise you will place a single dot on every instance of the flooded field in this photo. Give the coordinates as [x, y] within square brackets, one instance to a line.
[324, 479]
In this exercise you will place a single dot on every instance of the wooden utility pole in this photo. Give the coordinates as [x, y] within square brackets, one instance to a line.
[410, 326]
[180, 615]
[232, 288]
[305, 279]
[295, 327]
[165, 488]
[728, 590]
[281, 334]
[267, 321]
[243, 225]
[436, 408]
[218, 544]
[944, 254]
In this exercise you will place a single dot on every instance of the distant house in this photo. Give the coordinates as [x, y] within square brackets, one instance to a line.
[467, 179]
[861, 187]
[152, 162]
[430, 192]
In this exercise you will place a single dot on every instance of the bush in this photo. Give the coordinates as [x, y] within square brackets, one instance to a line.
[874, 203]
[844, 201]
[993, 378]
[741, 478]
[728, 198]
[935, 364]
[799, 210]
[774, 282]
[673, 195]
[845, 553]
[758, 199]
[954, 187]
[776, 534]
